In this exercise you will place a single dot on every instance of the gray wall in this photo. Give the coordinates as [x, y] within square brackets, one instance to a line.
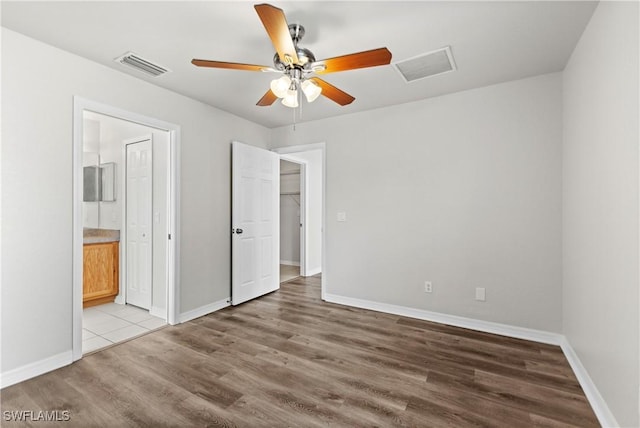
[463, 190]
[37, 109]
[600, 205]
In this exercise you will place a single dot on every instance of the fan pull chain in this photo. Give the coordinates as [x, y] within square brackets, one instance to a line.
[294, 118]
[300, 102]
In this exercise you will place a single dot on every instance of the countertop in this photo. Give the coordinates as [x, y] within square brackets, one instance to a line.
[96, 236]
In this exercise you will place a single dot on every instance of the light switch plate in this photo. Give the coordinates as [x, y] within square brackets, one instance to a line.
[341, 216]
[481, 294]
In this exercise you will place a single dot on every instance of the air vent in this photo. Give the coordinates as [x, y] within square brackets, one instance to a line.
[427, 65]
[135, 61]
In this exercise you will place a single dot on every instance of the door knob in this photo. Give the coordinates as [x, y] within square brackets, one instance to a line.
[238, 231]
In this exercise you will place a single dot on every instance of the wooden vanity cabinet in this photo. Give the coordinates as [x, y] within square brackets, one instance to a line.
[100, 273]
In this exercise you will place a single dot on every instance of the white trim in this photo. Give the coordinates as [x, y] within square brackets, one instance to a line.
[454, 320]
[76, 232]
[36, 368]
[173, 286]
[289, 263]
[600, 408]
[599, 405]
[173, 222]
[158, 312]
[323, 148]
[205, 310]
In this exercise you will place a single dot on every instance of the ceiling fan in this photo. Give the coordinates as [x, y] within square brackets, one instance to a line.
[297, 64]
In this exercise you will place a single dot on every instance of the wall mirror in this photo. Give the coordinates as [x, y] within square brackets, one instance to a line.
[100, 183]
[92, 184]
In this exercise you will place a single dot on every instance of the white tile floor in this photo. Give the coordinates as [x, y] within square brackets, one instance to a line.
[107, 324]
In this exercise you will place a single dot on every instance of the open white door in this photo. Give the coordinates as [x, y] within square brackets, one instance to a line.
[255, 222]
[138, 275]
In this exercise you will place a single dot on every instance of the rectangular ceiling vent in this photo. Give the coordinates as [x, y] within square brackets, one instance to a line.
[136, 61]
[427, 65]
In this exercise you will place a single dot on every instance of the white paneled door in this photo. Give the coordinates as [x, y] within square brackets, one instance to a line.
[255, 222]
[138, 275]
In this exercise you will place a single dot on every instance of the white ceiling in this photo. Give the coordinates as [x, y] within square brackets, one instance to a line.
[491, 42]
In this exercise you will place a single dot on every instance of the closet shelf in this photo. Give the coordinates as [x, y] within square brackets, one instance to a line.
[290, 173]
[290, 194]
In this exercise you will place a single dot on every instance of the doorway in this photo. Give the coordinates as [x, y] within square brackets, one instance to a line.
[291, 219]
[122, 130]
[311, 158]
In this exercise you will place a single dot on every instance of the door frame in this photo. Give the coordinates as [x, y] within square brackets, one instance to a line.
[306, 148]
[81, 104]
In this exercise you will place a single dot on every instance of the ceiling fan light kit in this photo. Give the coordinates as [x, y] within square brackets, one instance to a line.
[298, 64]
[311, 90]
[280, 86]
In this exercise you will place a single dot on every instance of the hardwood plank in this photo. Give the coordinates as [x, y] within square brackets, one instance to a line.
[289, 359]
[512, 398]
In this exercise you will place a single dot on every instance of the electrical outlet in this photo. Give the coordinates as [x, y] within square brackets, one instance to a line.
[428, 287]
[481, 294]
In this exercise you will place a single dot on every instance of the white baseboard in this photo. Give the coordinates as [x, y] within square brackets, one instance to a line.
[602, 411]
[204, 310]
[289, 263]
[36, 368]
[599, 405]
[158, 312]
[454, 320]
[600, 408]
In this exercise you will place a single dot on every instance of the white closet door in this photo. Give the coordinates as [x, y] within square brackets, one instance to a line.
[139, 266]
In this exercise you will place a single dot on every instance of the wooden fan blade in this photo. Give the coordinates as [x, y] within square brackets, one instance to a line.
[333, 93]
[276, 25]
[229, 65]
[365, 59]
[267, 99]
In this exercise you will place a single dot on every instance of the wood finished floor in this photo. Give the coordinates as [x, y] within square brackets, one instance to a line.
[290, 360]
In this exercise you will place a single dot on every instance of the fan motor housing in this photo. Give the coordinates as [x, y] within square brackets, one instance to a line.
[305, 56]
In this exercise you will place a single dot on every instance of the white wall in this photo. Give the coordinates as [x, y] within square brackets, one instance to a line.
[90, 157]
[600, 205]
[37, 176]
[463, 190]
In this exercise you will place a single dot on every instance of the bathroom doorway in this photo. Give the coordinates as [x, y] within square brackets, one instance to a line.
[110, 302]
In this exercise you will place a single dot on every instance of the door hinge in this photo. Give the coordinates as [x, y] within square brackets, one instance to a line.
[169, 236]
